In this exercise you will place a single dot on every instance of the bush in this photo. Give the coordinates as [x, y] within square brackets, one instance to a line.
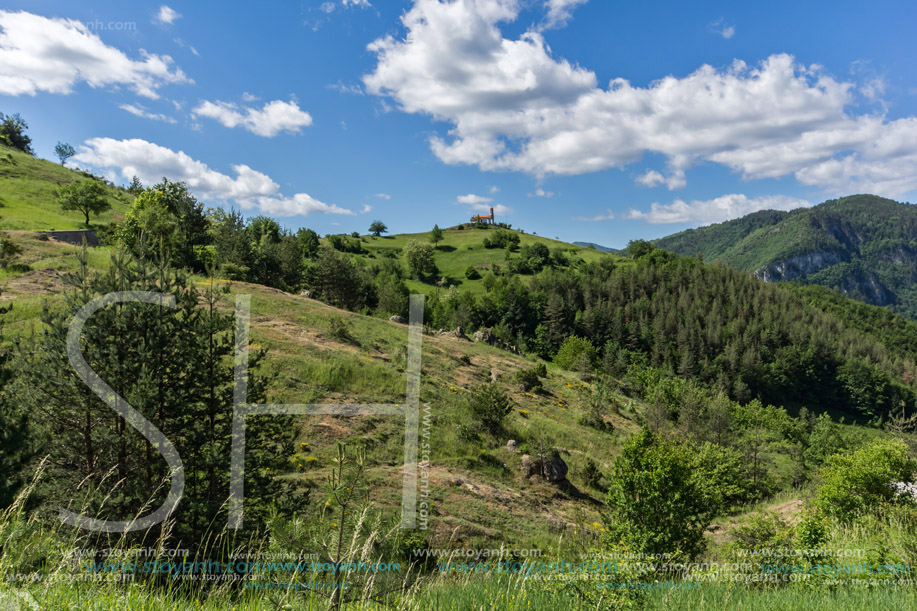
[592, 476]
[530, 378]
[577, 354]
[419, 259]
[656, 504]
[490, 404]
[502, 238]
[861, 481]
[721, 477]
[471, 273]
[593, 419]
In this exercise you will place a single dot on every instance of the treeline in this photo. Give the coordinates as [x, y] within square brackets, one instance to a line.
[712, 324]
[716, 325]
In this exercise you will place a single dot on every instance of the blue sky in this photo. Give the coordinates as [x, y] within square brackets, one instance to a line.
[584, 120]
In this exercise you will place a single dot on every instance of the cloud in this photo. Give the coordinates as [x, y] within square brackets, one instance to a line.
[52, 55]
[494, 189]
[270, 120]
[301, 204]
[140, 111]
[166, 15]
[512, 105]
[479, 203]
[383, 196]
[559, 12]
[359, 3]
[249, 97]
[609, 215]
[650, 178]
[366, 208]
[150, 162]
[473, 200]
[715, 210]
[726, 31]
[539, 192]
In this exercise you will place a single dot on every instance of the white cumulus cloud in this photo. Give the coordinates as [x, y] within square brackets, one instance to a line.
[715, 210]
[513, 105]
[53, 55]
[268, 121]
[151, 162]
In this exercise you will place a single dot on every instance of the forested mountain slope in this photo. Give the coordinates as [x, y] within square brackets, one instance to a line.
[864, 246]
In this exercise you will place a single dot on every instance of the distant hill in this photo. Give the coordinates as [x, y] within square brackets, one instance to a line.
[594, 246]
[863, 246]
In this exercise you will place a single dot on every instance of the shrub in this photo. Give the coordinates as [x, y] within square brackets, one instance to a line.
[529, 378]
[577, 354]
[861, 481]
[490, 404]
[593, 419]
[471, 273]
[592, 476]
[502, 238]
[419, 259]
[657, 506]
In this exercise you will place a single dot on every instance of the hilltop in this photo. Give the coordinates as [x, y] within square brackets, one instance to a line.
[863, 246]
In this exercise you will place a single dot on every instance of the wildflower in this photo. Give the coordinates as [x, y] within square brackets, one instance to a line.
[311, 459]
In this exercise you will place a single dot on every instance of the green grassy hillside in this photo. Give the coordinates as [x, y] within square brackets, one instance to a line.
[28, 200]
[743, 374]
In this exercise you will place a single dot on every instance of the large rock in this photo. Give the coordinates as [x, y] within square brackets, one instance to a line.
[485, 335]
[529, 466]
[511, 445]
[555, 470]
[398, 319]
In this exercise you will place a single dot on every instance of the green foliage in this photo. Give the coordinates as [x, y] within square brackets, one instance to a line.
[15, 432]
[764, 531]
[436, 235]
[86, 196]
[502, 238]
[308, 242]
[377, 228]
[531, 378]
[167, 218]
[472, 273]
[419, 259]
[656, 504]
[592, 475]
[576, 354]
[489, 404]
[346, 244]
[136, 187]
[12, 133]
[64, 151]
[719, 473]
[9, 250]
[337, 280]
[174, 366]
[861, 481]
[532, 259]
